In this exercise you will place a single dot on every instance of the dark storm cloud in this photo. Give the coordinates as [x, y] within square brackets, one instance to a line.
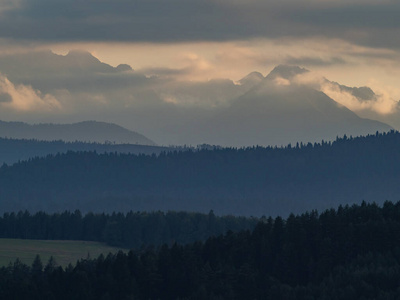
[351, 16]
[374, 25]
[118, 20]
[182, 20]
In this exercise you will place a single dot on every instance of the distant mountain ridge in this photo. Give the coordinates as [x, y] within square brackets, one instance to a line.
[87, 131]
[277, 109]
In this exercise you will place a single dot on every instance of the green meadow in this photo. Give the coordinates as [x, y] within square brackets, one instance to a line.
[64, 252]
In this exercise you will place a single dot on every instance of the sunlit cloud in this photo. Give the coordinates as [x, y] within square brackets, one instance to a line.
[24, 98]
[170, 79]
[279, 81]
[336, 59]
[380, 102]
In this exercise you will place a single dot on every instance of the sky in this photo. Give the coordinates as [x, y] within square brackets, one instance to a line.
[188, 54]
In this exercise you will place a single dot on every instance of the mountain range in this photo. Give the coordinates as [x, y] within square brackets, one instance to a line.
[88, 131]
[276, 109]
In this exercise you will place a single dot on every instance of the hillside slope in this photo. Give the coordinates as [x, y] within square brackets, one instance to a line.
[253, 181]
[14, 150]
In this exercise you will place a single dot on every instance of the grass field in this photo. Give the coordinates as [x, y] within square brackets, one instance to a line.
[64, 252]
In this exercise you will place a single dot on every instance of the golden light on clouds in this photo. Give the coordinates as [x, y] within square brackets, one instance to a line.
[200, 62]
[383, 104]
[336, 59]
[25, 99]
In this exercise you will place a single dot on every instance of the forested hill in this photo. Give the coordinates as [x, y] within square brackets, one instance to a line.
[252, 181]
[13, 150]
[130, 230]
[348, 253]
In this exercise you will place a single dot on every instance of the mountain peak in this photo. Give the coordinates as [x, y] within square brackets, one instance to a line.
[78, 52]
[286, 72]
[253, 77]
[86, 61]
[124, 68]
[82, 56]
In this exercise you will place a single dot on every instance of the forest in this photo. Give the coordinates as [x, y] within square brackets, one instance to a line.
[130, 230]
[252, 181]
[352, 252]
[14, 150]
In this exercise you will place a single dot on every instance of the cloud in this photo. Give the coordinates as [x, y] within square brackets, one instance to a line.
[361, 22]
[41, 86]
[164, 72]
[382, 104]
[279, 81]
[5, 97]
[310, 78]
[208, 94]
[357, 99]
[45, 87]
[352, 64]
[24, 98]
[80, 79]
[314, 61]
[78, 71]
[8, 5]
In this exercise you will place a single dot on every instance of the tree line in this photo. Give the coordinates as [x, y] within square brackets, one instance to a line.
[129, 230]
[14, 150]
[352, 252]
